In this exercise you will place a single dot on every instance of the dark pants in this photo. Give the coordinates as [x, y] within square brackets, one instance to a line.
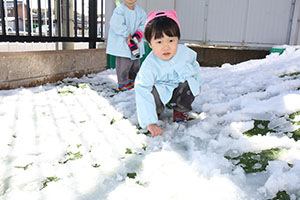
[181, 100]
[126, 69]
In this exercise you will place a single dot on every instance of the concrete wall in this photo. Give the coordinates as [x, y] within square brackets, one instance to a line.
[215, 57]
[26, 69]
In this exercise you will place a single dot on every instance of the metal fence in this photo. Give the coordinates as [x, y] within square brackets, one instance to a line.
[56, 21]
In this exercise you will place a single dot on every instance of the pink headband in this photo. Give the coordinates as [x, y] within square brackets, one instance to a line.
[170, 14]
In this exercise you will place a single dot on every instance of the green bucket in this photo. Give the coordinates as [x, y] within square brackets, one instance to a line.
[111, 61]
[147, 51]
[277, 50]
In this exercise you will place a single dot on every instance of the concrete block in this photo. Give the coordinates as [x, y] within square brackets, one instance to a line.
[35, 68]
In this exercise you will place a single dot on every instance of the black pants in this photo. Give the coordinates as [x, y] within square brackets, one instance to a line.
[181, 100]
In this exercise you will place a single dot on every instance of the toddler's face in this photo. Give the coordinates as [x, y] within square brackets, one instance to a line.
[164, 48]
[130, 2]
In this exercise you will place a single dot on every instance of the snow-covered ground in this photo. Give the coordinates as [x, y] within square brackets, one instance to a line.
[79, 139]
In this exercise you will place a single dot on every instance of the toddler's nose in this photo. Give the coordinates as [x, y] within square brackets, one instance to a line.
[166, 46]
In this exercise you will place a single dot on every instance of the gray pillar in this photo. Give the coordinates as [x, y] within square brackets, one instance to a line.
[67, 45]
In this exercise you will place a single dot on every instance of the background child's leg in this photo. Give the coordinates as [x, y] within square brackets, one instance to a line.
[183, 98]
[123, 66]
[159, 105]
[135, 67]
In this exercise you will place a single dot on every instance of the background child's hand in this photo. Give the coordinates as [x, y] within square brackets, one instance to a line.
[155, 130]
[129, 37]
[137, 36]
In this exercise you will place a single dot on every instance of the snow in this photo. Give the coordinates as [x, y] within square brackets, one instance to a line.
[79, 138]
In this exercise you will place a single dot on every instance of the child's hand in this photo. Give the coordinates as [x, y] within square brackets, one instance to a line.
[129, 37]
[155, 130]
[137, 36]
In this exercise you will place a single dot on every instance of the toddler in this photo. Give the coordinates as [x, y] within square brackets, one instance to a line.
[125, 41]
[169, 75]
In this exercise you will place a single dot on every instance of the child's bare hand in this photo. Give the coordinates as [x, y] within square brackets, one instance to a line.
[129, 37]
[155, 130]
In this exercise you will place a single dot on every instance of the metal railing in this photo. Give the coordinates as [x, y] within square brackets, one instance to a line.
[25, 22]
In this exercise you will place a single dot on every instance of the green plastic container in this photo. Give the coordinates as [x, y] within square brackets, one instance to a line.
[277, 50]
[111, 60]
[147, 51]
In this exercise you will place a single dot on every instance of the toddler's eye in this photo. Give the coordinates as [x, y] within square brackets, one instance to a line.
[172, 40]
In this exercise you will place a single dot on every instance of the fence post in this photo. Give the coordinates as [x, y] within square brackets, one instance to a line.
[92, 24]
[67, 21]
[2, 17]
[16, 17]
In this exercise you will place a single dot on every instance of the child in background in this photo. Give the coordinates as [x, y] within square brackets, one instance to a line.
[125, 41]
[169, 75]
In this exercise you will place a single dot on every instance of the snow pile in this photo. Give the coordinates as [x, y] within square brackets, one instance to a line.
[79, 139]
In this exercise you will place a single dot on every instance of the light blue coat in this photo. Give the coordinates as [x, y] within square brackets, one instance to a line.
[122, 23]
[165, 76]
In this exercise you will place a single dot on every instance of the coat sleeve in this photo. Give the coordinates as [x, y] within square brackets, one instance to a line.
[117, 23]
[143, 18]
[190, 72]
[196, 68]
[145, 104]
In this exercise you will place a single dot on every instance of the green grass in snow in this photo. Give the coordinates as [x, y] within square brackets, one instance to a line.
[290, 75]
[48, 180]
[255, 162]
[281, 195]
[71, 156]
[260, 128]
[24, 167]
[296, 133]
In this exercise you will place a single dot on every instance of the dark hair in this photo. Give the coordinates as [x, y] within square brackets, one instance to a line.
[160, 25]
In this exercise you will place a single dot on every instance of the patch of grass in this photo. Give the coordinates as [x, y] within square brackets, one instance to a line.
[255, 162]
[293, 117]
[296, 133]
[290, 74]
[191, 118]
[65, 92]
[141, 183]
[96, 165]
[82, 86]
[48, 180]
[144, 147]
[131, 175]
[72, 156]
[115, 90]
[129, 151]
[112, 121]
[76, 84]
[169, 106]
[24, 167]
[147, 133]
[281, 195]
[260, 127]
